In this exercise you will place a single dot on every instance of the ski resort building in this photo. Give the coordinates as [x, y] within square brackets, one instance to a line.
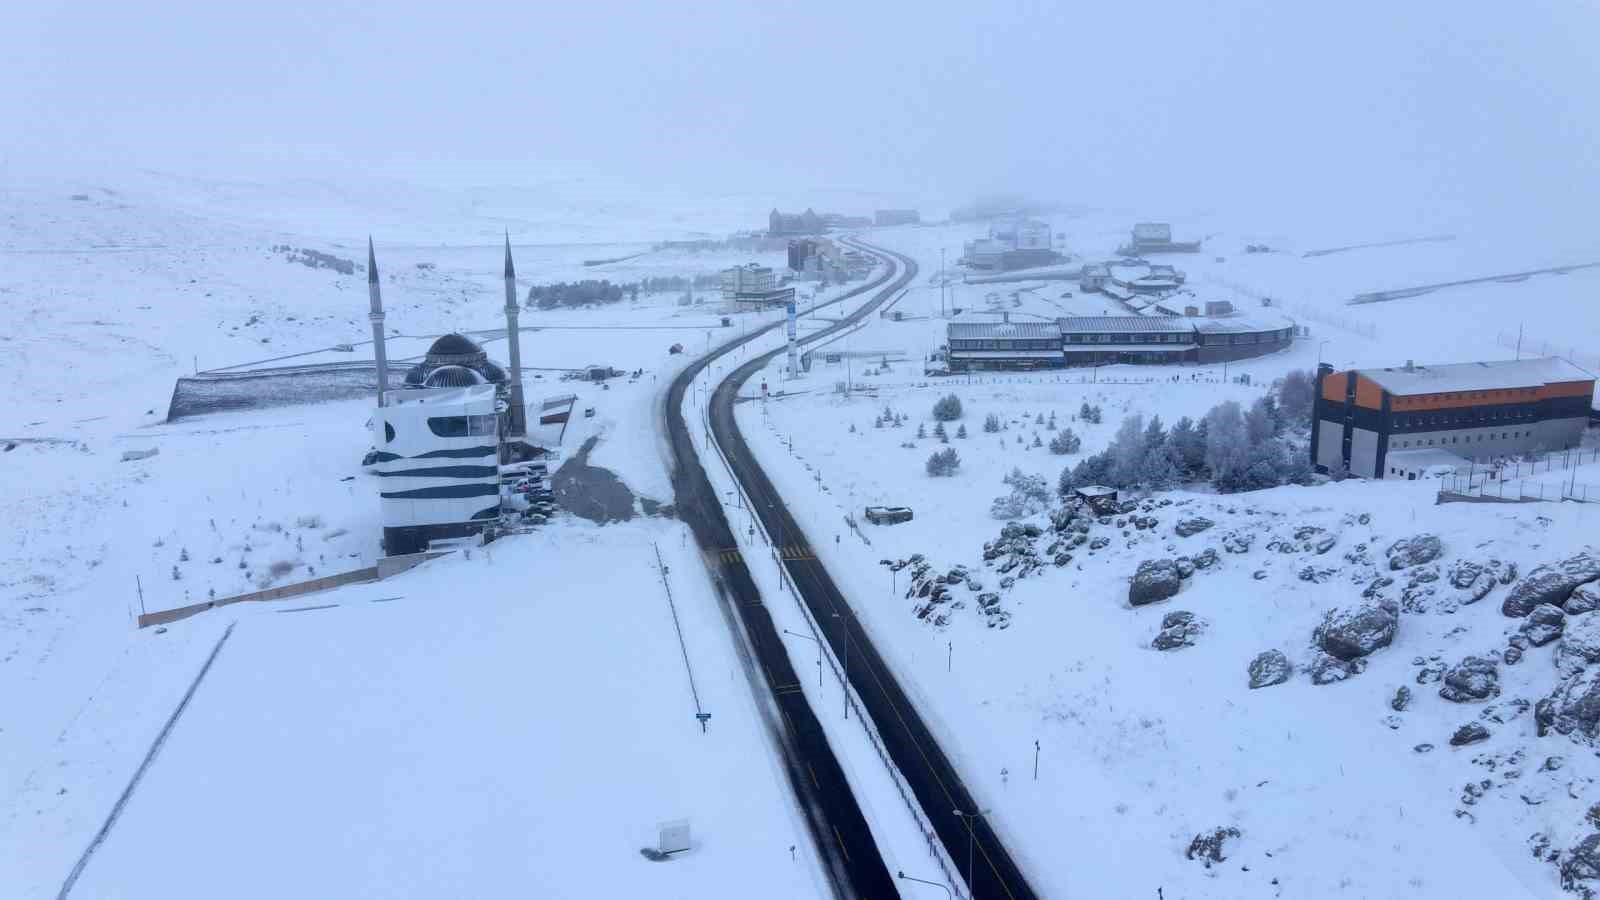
[976, 346]
[439, 464]
[1155, 237]
[786, 224]
[1011, 244]
[1365, 419]
[1110, 340]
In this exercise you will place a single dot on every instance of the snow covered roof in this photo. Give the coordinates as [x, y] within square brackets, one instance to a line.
[1005, 354]
[1119, 324]
[968, 330]
[1243, 324]
[1094, 490]
[1476, 376]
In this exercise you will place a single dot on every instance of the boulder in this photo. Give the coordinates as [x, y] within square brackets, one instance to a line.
[1544, 624]
[1580, 644]
[1585, 598]
[1270, 668]
[1206, 559]
[1185, 566]
[1156, 579]
[1581, 865]
[1192, 526]
[1238, 541]
[1211, 846]
[1474, 678]
[1401, 699]
[1553, 583]
[1329, 669]
[1511, 656]
[1470, 733]
[1355, 632]
[1178, 629]
[1413, 551]
[1573, 706]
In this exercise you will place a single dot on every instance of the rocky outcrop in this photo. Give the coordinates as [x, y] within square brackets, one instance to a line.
[1580, 867]
[1156, 579]
[1414, 551]
[1544, 624]
[1178, 629]
[1192, 526]
[1470, 733]
[1269, 668]
[1353, 633]
[1574, 706]
[1580, 644]
[1585, 598]
[1474, 678]
[1553, 584]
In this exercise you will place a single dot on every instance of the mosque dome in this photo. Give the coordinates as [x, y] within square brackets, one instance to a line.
[448, 355]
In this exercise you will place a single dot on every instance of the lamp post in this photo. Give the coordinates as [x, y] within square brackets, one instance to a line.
[845, 684]
[819, 651]
[971, 839]
[904, 877]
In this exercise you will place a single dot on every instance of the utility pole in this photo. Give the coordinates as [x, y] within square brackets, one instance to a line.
[1035, 760]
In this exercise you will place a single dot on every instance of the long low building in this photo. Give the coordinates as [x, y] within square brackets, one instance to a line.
[1107, 340]
[1366, 420]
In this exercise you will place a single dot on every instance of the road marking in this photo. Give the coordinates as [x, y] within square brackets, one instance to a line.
[814, 780]
[842, 848]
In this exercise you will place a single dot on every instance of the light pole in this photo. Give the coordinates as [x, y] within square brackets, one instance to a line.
[845, 684]
[819, 651]
[971, 839]
[904, 877]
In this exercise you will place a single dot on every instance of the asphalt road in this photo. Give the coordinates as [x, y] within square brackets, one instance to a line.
[838, 828]
[925, 766]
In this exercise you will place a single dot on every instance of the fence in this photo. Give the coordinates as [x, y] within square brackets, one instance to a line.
[1519, 479]
[391, 566]
[1533, 346]
[1346, 323]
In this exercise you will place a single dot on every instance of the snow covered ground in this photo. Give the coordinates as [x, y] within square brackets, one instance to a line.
[1332, 789]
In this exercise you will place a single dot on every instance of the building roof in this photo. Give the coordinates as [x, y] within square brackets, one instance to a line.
[1126, 324]
[1244, 323]
[1476, 376]
[968, 330]
[1054, 353]
[454, 345]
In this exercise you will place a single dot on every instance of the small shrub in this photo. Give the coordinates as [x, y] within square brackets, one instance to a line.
[991, 423]
[280, 568]
[947, 408]
[944, 463]
[1065, 442]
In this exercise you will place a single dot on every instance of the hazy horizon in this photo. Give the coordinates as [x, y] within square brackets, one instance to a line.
[1445, 112]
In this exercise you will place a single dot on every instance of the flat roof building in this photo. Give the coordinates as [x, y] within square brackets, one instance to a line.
[1476, 410]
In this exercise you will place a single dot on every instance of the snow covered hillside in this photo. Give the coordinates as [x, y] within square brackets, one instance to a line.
[1414, 728]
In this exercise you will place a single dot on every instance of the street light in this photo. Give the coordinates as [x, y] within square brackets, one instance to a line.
[819, 651]
[904, 877]
[971, 839]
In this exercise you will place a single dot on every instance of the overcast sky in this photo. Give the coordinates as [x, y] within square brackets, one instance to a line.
[1473, 107]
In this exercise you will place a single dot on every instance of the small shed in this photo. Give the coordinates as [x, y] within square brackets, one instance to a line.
[1099, 498]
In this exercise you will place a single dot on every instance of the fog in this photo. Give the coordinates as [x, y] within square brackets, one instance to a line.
[1438, 110]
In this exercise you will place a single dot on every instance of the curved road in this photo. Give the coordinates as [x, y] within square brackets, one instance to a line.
[907, 738]
[838, 828]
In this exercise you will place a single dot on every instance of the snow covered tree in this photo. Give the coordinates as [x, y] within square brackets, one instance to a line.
[1296, 391]
[1090, 414]
[940, 433]
[1261, 422]
[1227, 443]
[1128, 452]
[961, 431]
[878, 422]
[991, 423]
[921, 432]
[1189, 446]
[1161, 470]
[947, 408]
[1065, 442]
[1030, 494]
[1038, 419]
[1036, 441]
[1155, 434]
[944, 463]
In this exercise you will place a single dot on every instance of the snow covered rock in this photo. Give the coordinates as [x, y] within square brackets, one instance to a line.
[1192, 526]
[1185, 566]
[1474, 678]
[1544, 624]
[1156, 579]
[1211, 846]
[1573, 706]
[1582, 864]
[1238, 541]
[1413, 551]
[1512, 655]
[1401, 699]
[1470, 733]
[1355, 632]
[1328, 669]
[1178, 629]
[1585, 598]
[1580, 644]
[1270, 668]
[1206, 559]
[1552, 583]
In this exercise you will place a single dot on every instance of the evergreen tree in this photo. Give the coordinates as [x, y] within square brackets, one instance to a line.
[920, 432]
[1189, 448]
[991, 423]
[947, 408]
[961, 431]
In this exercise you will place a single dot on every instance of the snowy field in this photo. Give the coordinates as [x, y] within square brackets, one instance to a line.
[1333, 791]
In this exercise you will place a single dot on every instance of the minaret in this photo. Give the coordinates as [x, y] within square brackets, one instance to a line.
[376, 315]
[519, 413]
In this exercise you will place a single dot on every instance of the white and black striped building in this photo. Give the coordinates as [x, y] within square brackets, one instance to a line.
[438, 457]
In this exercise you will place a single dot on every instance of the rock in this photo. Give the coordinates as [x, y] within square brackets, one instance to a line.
[1192, 526]
[1206, 559]
[1099, 543]
[1422, 748]
[1553, 583]
[1156, 579]
[1061, 519]
[1544, 624]
[1315, 575]
[1580, 644]
[1269, 668]
[1329, 669]
[1176, 632]
[1062, 558]
[1470, 733]
[1238, 541]
[1582, 864]
[1585, 598]
[1210, 847]
[1185, 566]
[1429, 674]
[1259, 575]
[1511, 655]
[1573, 706]
[1355, 632]
[1413, 551]
[1474, 678]
[1401, 699]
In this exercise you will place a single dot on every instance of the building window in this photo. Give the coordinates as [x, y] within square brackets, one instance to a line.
[464, 426]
